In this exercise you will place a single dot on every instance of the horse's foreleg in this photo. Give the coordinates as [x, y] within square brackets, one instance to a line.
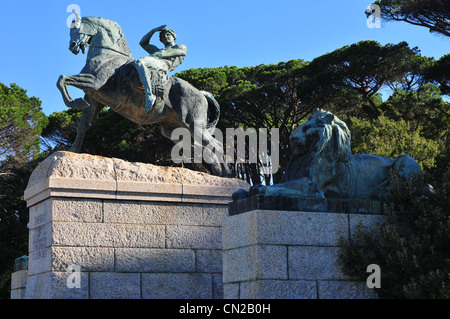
[81, 81]
[88, 116]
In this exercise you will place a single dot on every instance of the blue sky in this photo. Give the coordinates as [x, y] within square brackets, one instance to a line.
[35, 36]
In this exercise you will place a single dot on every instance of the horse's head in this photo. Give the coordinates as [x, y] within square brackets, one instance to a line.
[81, 34]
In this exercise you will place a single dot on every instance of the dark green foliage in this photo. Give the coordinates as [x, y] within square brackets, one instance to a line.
[14, 177]
[439, 73]
[350, 78]
[431, 14]
[388, 138]
[61, 129]
[412, 246]
[263, 96]
[115, 136]
[21, 122]
[423, 109]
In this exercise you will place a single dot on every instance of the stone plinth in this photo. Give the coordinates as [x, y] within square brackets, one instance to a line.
[18, 284]
[134, 230]
[289, 255]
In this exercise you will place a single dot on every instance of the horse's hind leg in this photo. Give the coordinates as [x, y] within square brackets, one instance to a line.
[88, 116]
[214, 158]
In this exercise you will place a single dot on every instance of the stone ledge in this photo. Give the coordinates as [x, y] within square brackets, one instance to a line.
[274, 227]
[67, 174]
[293, 203]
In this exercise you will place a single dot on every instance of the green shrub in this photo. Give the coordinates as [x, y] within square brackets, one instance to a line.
[388, 138]
[412, 245]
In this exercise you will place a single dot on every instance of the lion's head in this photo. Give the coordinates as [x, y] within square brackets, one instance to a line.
[322, 134]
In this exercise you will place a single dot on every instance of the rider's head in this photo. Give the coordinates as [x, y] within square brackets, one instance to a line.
[162, 35]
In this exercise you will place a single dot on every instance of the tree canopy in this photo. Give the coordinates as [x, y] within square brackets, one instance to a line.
[21, 122]
[432, 14]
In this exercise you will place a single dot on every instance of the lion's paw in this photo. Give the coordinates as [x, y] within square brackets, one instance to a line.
[258, 190]
[240, 194]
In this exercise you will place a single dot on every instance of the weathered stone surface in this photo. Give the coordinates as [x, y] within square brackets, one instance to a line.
[73, 166]
[285, 228]
[209, 261]
[198, 237]
[254, 263]
[155, 260]
[19, 279]
[147, 173]
[345, 290]
[231, 291]
[70, 174]
[314, 263]
[113, 285]
[214, 215]
[88, 258]
[289, 255]
[53, 285]
[107, 235]
[135, 212]
[176, 286]
[278, 289]
[76, 210]
[40, 237]
[65, 210]
[59, 258]
[40, 261]
[217, 286]
[18, 293]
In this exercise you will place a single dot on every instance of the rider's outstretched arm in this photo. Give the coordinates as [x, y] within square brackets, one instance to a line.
[178, 50]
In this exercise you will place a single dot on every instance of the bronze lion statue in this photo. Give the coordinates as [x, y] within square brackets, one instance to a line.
[322, 165]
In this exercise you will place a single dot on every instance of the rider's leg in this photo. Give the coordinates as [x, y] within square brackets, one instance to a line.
[145, 77]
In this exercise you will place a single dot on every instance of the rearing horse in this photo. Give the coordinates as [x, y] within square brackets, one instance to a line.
[110, 79]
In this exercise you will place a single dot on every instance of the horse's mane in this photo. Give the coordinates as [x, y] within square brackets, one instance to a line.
[111, 27]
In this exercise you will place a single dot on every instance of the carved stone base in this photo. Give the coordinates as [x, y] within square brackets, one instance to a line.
[289, 255]
[106, 228]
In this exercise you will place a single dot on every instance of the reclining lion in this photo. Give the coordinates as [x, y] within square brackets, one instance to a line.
[322, 165]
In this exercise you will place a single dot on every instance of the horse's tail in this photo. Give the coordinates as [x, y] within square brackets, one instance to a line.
[213, 111]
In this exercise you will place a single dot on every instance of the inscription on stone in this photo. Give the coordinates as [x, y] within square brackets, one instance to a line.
[39, 238]
[39, 219]
[40, 254]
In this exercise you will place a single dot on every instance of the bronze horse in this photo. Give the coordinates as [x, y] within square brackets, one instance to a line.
[110, 79]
